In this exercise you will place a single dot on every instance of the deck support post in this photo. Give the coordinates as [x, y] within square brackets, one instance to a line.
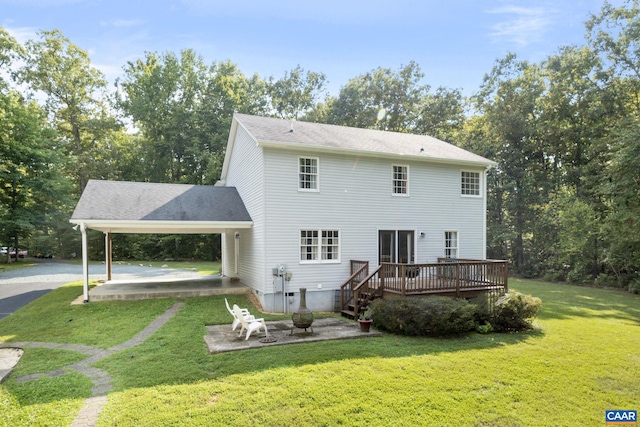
[107, 253]
[85, 263]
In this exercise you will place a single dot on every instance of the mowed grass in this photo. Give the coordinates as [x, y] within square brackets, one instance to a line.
[582, 359]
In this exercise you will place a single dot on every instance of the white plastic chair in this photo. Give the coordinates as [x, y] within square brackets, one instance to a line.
[236, 321]
[251, 326]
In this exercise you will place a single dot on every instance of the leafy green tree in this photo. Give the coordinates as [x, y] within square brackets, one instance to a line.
[72, 86]
[161, 93]
[296, 93]
[442, 114]
[381, 99]
[32, 189]
[10, 50]
[621, 186]
[615, 34]
[508, 102]
[226, 92]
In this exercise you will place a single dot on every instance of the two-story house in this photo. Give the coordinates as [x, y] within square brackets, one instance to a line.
[321, 195]
[297, 202]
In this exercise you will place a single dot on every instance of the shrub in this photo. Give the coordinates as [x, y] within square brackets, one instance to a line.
[634, 286]
[429, 316]
[515, 311]
[484, 328]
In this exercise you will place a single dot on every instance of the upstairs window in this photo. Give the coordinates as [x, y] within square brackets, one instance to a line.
[451, 244]
[470, 183]
[308, 174]
[400, 180]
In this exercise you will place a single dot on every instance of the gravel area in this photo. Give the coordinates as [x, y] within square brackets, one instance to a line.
[21, 286]
[56, 272]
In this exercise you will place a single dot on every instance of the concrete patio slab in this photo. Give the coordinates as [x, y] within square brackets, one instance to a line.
[220, 338]
[9, 358]
[146, 288]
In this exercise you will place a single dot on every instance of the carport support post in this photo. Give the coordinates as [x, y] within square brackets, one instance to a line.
[85, 263]
[107, 253]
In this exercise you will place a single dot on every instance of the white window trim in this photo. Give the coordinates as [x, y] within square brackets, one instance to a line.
[444, 243]
[480, 182]
[309, 190]
[393, 178]
[319, 247]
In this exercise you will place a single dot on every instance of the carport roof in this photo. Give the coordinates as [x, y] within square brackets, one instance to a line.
[141, 207]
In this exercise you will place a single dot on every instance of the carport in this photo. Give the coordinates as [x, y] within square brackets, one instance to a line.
[154, 208]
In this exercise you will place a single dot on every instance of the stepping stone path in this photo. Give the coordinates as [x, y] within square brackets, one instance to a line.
[88, 415]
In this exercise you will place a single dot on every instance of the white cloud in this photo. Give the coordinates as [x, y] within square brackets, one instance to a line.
[523, 25]
[22, 34]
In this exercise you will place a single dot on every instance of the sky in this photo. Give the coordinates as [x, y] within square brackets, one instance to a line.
[455, 42]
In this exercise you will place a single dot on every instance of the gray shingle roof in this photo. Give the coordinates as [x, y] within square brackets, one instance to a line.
[317, 135]
[141, 201]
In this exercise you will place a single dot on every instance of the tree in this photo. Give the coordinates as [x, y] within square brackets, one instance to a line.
[381, 99]
[161, 93]
[183, 110]
[10, 49]
[508, 100]
[442, 114]
[63, 72]
[615, 33]
[32, 190]
[296, 93]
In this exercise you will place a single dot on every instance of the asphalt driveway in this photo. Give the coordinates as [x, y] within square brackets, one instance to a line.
[21, 286]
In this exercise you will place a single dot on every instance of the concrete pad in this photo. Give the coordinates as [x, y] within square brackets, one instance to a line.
[9, 358]
[220, 338]
[166, 288]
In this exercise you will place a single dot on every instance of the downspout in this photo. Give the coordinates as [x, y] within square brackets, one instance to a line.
[484, 212]
[85, 263]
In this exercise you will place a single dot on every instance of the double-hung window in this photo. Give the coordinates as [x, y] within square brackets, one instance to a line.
[451, 244]
[319, 246]
[470, 183]
[400, 180]
[308, 174]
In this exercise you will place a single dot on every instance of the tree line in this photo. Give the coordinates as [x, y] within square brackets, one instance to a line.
[564, 199]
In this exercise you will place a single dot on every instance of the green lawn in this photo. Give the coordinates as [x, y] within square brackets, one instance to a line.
[582, 359]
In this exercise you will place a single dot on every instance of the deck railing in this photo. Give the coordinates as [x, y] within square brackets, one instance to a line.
[449, 276]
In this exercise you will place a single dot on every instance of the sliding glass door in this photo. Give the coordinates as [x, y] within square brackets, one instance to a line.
[396, 246]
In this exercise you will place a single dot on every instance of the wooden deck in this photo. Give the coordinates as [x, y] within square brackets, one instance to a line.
[462, 278]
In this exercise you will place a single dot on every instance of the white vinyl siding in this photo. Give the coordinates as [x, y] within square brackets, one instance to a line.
[246, 173]
[400, 180]
[308, 174]
[470, 183]
[351, 202]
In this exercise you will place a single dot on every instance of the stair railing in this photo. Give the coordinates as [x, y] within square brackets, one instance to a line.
[367, 290]
[359, 270]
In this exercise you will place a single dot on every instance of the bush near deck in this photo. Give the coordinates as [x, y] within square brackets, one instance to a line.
[441, 316]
